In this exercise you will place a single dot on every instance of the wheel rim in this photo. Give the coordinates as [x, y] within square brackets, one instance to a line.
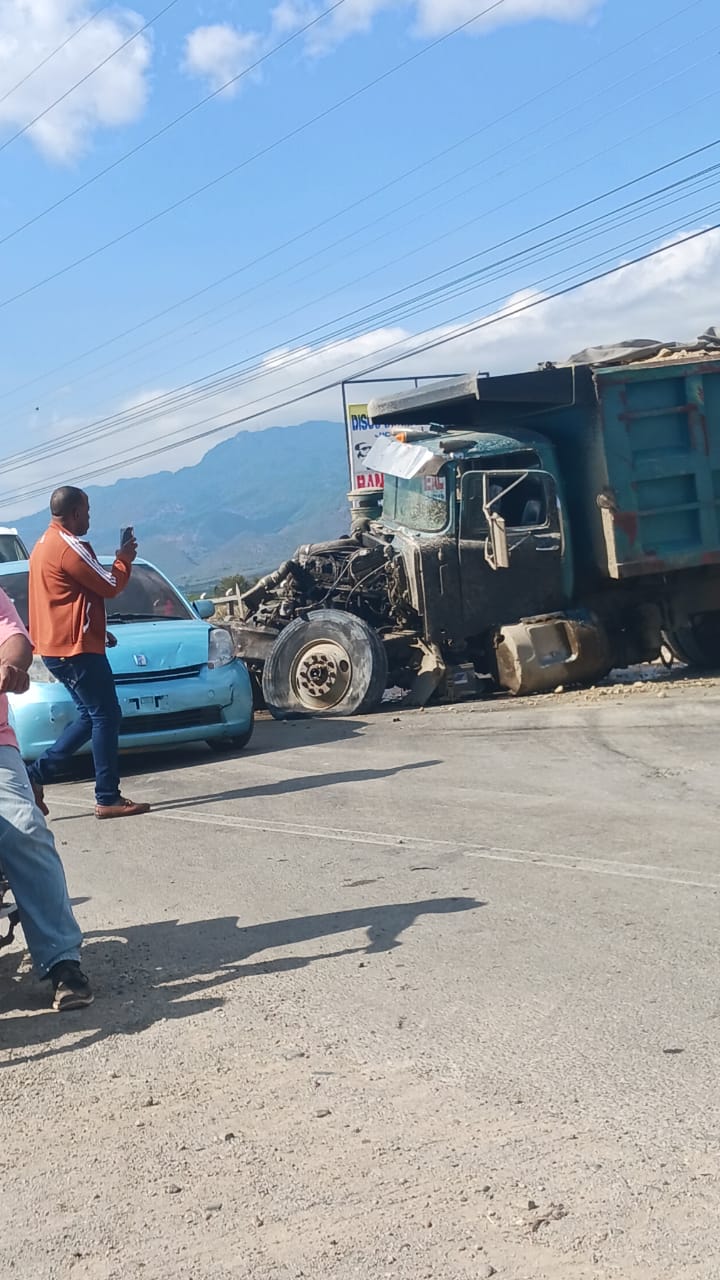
[321, 674]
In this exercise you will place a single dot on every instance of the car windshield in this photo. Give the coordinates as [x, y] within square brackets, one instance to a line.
[147, 596]
[419, 504]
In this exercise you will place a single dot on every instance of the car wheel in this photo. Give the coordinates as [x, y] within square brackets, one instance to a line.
[330, 663]
[226, 746]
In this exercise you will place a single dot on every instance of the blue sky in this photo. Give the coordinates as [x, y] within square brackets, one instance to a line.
[631, 108]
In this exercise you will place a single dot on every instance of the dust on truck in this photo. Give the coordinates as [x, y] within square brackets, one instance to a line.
[543, 528]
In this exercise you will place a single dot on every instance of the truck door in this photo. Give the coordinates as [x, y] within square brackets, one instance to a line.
[510, 547]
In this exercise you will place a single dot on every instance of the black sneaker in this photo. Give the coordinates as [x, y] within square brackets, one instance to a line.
[71, 987]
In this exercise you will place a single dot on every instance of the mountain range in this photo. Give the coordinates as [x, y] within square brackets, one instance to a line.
[243, 508]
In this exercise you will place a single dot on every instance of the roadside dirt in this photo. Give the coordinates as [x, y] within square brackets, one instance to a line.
[266, 1157]
[648, 680]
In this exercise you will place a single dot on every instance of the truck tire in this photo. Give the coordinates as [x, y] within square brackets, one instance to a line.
[697, 642]
[330, 663]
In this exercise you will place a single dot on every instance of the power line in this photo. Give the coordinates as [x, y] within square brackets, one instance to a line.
[407, 354]
[534, 304]
[356, 280]
[394, 262]
[270, 53]
[407, 287]
[167, 400]
[165, 405]
[368, 195]
[339, 340]
[373, 194]
[160, 406]
[264, 151]
[282, 275]
[458, 289]
[88, 75]
[54, 52]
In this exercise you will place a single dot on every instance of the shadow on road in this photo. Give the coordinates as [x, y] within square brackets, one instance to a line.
[289, 786]
[164, 970]
[270, 735]
[283, 787]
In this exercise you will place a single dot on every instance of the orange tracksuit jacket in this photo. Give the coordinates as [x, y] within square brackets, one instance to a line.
[67, 593]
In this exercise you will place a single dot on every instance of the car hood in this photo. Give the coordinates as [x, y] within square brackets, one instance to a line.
[146, 647]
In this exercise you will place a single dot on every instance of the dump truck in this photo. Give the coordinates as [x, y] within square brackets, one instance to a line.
[537, 529]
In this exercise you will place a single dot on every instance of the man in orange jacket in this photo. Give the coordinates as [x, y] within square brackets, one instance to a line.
[67, 593]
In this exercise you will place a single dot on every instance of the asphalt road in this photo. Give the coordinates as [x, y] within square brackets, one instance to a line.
[429, 995]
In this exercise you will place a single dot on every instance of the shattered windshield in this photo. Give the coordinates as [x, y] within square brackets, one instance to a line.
[420, 504]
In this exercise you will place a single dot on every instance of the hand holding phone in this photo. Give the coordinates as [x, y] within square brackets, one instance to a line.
[128, 545]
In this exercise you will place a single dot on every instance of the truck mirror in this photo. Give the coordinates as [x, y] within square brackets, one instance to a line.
[497, 552]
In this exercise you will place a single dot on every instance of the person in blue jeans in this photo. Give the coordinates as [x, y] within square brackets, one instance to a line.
[29, 859]
[68, 588]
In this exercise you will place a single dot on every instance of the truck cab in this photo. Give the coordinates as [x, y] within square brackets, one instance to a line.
[480, 529]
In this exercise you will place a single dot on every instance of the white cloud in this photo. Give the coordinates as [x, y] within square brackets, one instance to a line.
[290, 15]
[219, 52]
[115, 95]
[432, 17]
[436, 16]
[673, 296]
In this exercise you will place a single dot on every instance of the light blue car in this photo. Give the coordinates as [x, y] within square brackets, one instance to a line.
[176, 676]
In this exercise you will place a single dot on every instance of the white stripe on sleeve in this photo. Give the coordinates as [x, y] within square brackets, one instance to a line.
[85, 554]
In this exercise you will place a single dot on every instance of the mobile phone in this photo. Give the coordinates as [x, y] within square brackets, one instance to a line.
[126, 535]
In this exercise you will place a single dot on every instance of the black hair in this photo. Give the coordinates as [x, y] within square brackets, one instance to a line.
[65, 500]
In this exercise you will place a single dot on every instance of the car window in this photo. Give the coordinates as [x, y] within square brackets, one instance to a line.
[11, 548]
[147, 596]
[15, 585]
[521, 500]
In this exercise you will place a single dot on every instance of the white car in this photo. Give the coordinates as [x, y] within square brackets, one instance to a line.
[11, 546]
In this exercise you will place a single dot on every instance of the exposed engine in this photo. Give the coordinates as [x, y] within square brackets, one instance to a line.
[360, 574]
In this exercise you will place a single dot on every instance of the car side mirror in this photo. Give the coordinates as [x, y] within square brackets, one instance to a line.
[204, 609]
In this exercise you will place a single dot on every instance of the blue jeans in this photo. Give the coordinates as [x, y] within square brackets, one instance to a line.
[33, 869]
[89, 681]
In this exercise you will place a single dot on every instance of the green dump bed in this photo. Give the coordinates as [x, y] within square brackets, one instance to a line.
[638, 447]
[660, 436]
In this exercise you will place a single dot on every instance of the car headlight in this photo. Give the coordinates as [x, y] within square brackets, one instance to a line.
[220, 648]
[39, 673]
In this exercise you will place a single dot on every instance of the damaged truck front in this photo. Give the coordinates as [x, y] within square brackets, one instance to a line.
[543, 528]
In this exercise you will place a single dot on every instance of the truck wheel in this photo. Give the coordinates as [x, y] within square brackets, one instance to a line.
[331, 663]
[697, 642]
